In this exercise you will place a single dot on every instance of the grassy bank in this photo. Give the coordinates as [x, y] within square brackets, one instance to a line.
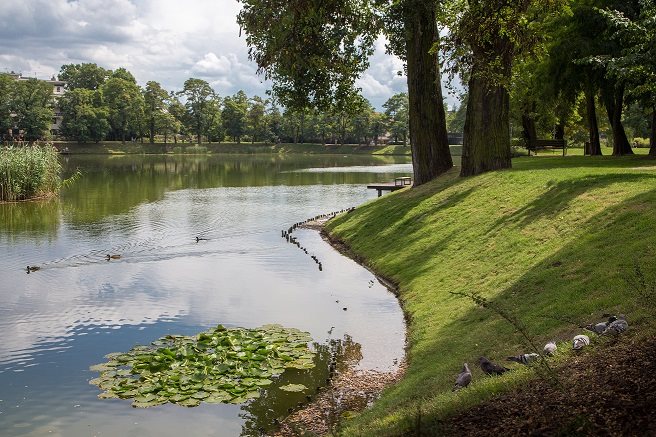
[554, 242]
[117, 147]
[28, 172]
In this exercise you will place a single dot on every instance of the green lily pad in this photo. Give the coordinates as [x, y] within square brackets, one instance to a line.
[293, 388]
[215, 366]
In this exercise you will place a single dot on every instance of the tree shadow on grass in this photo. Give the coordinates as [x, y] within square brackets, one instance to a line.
[560, 195]
[577, 283]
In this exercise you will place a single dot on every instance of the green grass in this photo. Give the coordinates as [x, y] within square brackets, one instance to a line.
[551, 240]
[28, 172]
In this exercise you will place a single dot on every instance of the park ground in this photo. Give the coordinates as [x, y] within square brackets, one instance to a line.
[550, 245]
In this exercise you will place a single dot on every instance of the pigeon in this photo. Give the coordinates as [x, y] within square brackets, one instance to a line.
[580, 341]
[550, 348]
[616, 327]
[490, 368]
[524, 358]
[464, 378]
[600, 327]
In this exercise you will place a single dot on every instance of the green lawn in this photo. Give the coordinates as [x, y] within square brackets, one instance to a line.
[552, 241]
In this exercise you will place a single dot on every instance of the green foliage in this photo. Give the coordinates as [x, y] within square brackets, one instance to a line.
[31, 104]
[201, 105]
[235, 115]
[396, 109]
[28, 172]
[312, 51]
[125, 102]
[218, 366]
[85, 117]
[88, 76]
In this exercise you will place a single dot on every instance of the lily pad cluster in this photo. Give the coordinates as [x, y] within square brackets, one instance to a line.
[217, 366]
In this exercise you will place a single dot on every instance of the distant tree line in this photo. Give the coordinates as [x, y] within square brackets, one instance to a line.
[101, 104]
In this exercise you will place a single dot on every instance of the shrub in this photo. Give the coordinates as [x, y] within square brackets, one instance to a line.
[28, 172]
[641, 142]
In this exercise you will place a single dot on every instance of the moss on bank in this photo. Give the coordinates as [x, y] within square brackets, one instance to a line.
[553, 241]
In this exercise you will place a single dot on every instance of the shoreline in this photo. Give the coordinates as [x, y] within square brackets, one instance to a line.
[353, 390]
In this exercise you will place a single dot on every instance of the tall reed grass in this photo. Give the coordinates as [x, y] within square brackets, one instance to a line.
[29, 171]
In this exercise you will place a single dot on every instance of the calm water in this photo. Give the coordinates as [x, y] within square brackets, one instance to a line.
[58, 321]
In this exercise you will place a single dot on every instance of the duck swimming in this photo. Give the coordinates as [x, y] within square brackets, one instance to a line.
[33, 268]
[113, 257]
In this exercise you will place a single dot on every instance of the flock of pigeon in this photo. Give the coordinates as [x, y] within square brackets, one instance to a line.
[613, 326]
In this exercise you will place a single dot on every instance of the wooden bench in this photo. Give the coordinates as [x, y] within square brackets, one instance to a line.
[547, 145]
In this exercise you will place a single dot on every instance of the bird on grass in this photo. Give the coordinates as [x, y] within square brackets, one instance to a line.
[491, 368]
[550, 348]
[464, 378]
[108, 257]
[524, 358]
[617, 326]
[600, 327]
[580, 341]
[33, 268]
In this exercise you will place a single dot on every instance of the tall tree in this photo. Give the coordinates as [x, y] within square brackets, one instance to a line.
[314, 51]
[85, 117]
[7, 84]
[235, 115]
[198, 94]
[32, 107]
[89, 76]
[487, 36]
[125, 103]
[155, 103]
[257, 127]
[396, 109]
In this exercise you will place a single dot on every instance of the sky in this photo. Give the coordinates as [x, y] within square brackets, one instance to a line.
[167, 41]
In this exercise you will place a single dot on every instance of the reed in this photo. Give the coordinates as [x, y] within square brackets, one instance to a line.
[28, 172]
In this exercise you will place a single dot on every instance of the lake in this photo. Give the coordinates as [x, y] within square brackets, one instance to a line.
[65, 317]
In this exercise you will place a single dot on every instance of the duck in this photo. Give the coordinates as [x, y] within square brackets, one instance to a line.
[108, 257]
[200, 239]
[464, 378]
[33, 268]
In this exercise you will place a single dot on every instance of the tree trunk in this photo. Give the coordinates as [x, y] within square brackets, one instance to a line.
[486, 134]
[613, 97]
[652, 137]
[559, 131]
[528, 126]
[593, 147]
[431, 155]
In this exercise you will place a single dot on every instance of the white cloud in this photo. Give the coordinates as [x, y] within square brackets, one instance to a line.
[163, 40]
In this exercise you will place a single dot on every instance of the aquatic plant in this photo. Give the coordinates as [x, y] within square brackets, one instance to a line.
[27, 172]
[217, 366]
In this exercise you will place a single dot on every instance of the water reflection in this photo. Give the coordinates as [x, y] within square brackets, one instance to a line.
[79, 306]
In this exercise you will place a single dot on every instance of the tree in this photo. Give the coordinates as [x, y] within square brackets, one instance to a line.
[125, 103]
[396, 109]
[198, 94]
[636, 63]
[85, 117]
[487, 36]
[235, 115]
[257, 127]
[6, 90]
[177, 113]
[31, 105]
[314, 51]
[154, 104]
[122, 73]
[89, 76]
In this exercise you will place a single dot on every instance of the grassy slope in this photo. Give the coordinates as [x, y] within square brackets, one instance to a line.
[552, 239]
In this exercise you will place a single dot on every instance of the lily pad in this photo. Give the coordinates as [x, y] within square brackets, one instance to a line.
[293, 388]
[216, 366]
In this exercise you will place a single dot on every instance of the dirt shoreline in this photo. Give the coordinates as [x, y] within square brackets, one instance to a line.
[350, 391]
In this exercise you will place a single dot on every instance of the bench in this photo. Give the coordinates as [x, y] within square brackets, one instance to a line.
[547, 145]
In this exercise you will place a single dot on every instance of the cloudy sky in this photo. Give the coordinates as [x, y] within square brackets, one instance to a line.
[163, 40]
